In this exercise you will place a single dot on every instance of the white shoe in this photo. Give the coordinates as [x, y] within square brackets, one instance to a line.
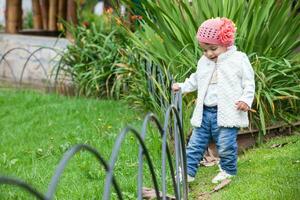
[190, 179]
[221, 176]
[220, 168]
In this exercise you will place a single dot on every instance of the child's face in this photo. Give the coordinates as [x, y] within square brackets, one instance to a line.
[212, 51]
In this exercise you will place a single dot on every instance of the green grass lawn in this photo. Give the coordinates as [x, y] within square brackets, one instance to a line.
[263, 173]
[36, 129]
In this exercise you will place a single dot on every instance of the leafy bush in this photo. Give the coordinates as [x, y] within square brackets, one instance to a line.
[104, 63]
[28, 20]
[95, 57]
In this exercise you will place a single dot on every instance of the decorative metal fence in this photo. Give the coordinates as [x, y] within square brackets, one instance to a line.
[172, 125]
[172, 118]
[31, 55]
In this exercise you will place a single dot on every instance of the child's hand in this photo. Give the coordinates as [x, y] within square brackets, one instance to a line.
[240, 105]
[175, 87]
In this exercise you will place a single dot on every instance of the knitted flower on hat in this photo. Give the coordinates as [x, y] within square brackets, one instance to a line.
[219, 31]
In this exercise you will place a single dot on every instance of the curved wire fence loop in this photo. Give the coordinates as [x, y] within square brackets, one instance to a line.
[159, 81]
[24, 66]
[30, 55]
[172, 109]
[64, 161]
[149, 116]
[179, 146]
[17, 182]
[114, 155]
[162, 132]
[180, 156]
[40, 63]
[10, 67]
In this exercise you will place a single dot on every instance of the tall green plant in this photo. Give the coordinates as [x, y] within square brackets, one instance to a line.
[268, 31]
[96, 58]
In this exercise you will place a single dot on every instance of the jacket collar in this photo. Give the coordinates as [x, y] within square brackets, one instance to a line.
[225, 55]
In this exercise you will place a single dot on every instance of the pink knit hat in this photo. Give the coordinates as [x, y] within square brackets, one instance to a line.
[219, 31]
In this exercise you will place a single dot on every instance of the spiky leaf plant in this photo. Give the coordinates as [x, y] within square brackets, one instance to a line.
[268, 31]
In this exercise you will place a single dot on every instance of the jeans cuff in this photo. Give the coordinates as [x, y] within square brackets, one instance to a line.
[233, 173]
[191, 174]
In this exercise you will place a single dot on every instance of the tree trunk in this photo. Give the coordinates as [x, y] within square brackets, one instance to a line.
[37, 17]
[72, 12]
[53, 7]
[13, 16]
[44, 8]
[71, 16]
[62, 9]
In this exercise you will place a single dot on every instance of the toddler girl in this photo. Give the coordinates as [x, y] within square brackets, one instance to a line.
[225, 86]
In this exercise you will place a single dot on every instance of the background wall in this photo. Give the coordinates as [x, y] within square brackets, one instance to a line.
[38, 70]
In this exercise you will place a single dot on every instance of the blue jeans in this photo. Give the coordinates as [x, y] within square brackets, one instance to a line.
[225, 139]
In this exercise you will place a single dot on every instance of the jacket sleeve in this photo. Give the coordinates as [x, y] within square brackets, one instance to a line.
[248, 83]
[190, 84]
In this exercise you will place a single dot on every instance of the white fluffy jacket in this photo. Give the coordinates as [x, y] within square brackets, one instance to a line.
[235, 83]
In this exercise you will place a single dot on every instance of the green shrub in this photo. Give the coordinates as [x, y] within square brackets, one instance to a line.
[28, 21]
[95, 57]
